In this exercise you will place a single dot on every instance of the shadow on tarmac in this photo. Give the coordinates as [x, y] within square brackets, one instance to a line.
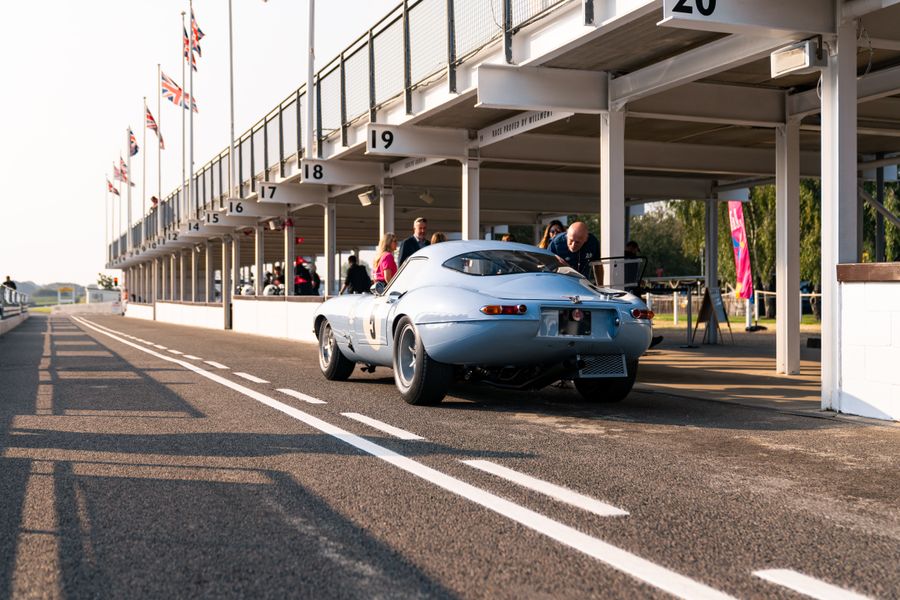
[113, 526]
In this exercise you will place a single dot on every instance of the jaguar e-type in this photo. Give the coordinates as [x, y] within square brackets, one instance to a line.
[505, 314]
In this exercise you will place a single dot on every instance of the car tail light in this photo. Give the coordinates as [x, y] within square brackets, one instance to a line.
[642, 313]
[494, 309]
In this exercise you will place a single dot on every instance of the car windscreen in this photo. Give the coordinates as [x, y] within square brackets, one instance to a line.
[503, 262]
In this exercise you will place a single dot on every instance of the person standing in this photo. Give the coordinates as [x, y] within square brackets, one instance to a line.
[553, 229]
[578, 247]
[385, 265]
[416, 241]
[357, 280]
[302, 278]
[9, 283]
[437, 237]
[315, 281]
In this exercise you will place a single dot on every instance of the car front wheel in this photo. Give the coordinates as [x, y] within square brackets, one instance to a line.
[608, 390]
[420, 379]
[335, 366]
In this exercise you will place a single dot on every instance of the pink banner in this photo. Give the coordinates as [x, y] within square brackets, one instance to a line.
[744, 285]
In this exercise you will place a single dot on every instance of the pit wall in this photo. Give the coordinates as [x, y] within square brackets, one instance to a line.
[10, 323]
[193, 314]
[139, 311]
[286, 317]
[870, 340]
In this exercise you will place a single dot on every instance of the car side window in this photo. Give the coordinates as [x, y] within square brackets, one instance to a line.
[408, 276]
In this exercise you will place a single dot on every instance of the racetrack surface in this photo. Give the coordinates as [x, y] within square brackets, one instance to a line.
[141, 459]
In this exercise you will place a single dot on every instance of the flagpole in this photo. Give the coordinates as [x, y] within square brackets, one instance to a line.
[106, 222]
[158, 151]
[192, 201]
[310, 70]
[144, 179]
[231, 169]
[183, 131]
[130, 242]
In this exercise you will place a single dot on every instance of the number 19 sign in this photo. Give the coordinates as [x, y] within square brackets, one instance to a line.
[427, 142]
[759, 17]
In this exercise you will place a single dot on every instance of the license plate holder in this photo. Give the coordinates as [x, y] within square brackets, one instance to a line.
[574, 322]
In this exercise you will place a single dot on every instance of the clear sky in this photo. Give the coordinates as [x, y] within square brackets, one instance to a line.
[83, 68]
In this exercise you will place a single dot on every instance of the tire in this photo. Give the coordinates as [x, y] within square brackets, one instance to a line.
[420, 379]
[608, 390]
[335, 366]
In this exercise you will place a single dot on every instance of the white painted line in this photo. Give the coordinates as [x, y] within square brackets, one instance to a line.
[301, 396]
[631, 564]
[158, 346]
[394, 431]
[213, 363]
[175, 351]
[250, 377]
[549, 489]
[192, 357]
[806, 585]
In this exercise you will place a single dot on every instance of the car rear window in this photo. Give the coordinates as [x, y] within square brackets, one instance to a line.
[503, 262]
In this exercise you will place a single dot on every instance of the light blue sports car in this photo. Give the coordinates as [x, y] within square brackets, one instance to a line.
[506, 314]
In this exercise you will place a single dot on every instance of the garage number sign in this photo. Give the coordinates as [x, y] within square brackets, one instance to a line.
[760, 17]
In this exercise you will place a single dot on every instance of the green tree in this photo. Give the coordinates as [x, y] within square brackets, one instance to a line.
[104, 281]
[660, 234]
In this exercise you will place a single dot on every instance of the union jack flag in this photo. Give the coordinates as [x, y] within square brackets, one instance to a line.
[110, 187]
[150, 123]
[188, 55]
[176, 95]
[121, 173]
[197, 34]
[133, 142]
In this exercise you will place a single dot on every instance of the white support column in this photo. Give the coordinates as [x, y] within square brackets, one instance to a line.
[711, 255]
[787, 248]
[290, 246]
[612, 190]
[154, 267]
[330, 276]
[235, 261]
[163, 279]
[194, 272]
[386, 209]
[227, 281]
[210, 273]
[839, 175]
[172, 289]
[471, 196]
[259, 248]
[181, 273]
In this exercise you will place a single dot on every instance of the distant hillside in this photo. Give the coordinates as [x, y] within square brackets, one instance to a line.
[27, 287]
[50, 289]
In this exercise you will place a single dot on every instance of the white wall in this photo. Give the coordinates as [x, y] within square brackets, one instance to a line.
[275, 318]
[870, 350]
[139, 311]
[193, 315]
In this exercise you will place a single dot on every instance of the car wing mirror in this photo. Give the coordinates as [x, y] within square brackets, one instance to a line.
[377, 288]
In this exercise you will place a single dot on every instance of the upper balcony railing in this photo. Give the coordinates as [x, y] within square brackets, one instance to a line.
[12, 302]
[417, 43]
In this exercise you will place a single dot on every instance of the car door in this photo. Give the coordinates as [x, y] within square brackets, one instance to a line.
[383, 309]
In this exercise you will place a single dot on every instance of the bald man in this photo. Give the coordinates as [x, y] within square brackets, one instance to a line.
[578, 247]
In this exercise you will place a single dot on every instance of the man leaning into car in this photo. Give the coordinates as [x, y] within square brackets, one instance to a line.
[578, 247]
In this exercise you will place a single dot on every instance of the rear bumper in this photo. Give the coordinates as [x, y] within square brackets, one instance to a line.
[511, 342]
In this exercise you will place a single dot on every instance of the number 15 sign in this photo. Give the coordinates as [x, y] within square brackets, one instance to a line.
[759, 17]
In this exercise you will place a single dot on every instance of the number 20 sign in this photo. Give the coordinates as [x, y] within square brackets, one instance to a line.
[760, 17]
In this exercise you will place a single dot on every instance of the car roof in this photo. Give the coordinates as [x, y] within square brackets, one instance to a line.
[444, 250]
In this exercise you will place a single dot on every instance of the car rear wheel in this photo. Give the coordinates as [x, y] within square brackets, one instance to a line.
[420, 379]
[335, 366]
[608, 389]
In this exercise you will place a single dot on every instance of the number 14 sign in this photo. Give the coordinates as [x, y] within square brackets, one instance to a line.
[760, 17]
